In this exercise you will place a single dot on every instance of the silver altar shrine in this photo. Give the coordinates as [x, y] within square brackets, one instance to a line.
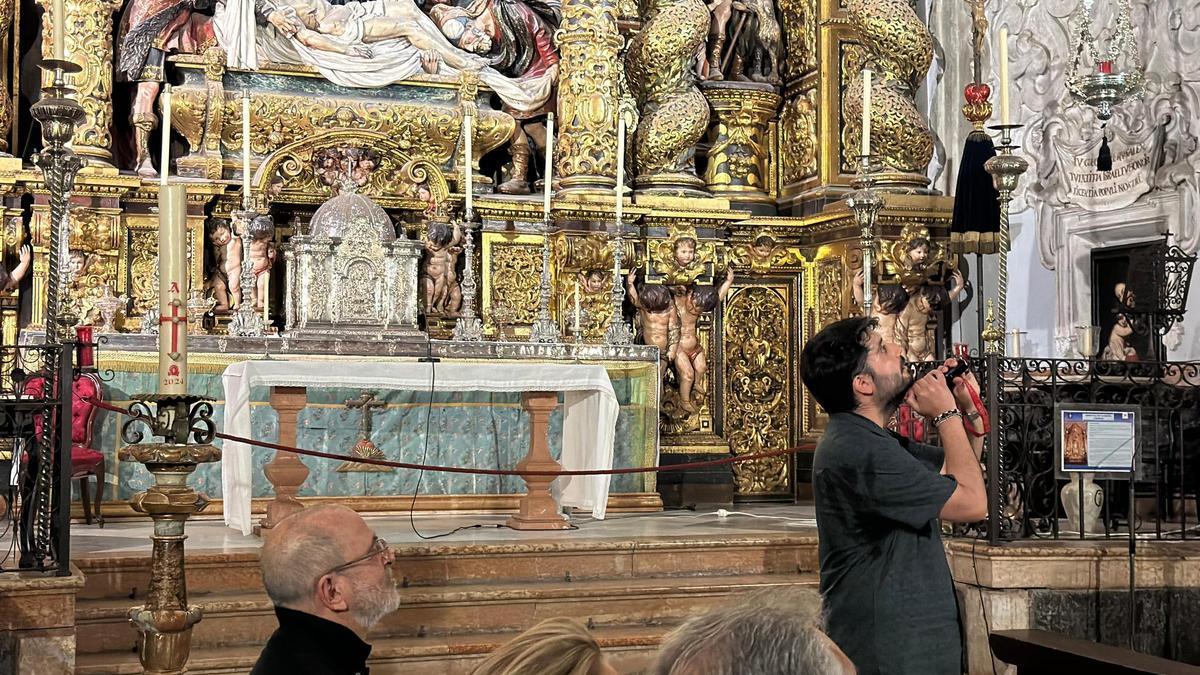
[350, 275]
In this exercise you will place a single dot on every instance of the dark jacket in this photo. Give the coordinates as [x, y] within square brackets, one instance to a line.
[308, 644]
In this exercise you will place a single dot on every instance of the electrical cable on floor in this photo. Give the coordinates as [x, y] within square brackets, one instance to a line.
[412, 520]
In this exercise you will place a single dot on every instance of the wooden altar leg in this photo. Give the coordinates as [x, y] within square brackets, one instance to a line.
[538, 510]
[285, 471]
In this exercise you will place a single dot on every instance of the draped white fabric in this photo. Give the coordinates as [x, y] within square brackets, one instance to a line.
[247, 44]
[589, 414]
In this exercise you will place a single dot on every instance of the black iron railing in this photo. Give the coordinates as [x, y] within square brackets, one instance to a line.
[35, 456]
[1024, 487]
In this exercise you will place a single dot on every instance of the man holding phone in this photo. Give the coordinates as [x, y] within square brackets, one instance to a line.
[888, 593]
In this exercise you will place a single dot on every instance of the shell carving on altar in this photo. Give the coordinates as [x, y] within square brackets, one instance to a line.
[351, 274]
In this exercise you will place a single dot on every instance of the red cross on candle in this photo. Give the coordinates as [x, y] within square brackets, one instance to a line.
[176, 322]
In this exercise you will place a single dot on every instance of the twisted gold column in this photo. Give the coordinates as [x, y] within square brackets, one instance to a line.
[900, 48]
[588, 48]
[89, 43]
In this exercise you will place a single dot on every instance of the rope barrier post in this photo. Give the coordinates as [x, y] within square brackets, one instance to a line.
[285, 471]
[538, 509]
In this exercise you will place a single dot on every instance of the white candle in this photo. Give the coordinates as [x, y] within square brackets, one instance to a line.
[866, 112]
[468, 169]
[577, 308]
[172, 289]
[548, 175]
[1004, 118]
[620, 165]
[58, 21]
[164, 168]
[245, 150]
[266, 300]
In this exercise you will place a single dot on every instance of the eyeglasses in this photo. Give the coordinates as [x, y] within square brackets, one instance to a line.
[378, 547]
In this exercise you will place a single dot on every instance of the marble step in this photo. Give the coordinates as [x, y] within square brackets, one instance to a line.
[630, 649]
[210, 571]
[248, 619]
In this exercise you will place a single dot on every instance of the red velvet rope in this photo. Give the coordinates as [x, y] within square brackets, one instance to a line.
[485, 472]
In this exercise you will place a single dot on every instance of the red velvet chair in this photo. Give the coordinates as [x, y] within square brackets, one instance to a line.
[86, 460]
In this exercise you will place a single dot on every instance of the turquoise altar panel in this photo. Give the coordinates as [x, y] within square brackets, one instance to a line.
[465, 429]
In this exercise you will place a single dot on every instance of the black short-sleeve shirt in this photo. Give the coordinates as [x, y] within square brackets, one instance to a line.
[889, 598]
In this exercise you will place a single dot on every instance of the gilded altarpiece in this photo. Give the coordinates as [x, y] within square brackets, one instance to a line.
[761, 322]
[512, 266]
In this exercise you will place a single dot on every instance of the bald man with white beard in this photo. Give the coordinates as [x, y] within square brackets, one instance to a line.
[330, 578]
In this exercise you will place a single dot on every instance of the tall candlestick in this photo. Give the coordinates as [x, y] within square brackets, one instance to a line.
[1004, 118]
[467, 168]
[164, 168]
[59, 22]
[548, 174]
[172, 289]
[245, 149]
[866, 112]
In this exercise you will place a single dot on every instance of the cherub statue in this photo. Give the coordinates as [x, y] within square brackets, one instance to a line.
[917, 253]
[262, 256]
[10, 279]
[443, 296]
[218, 281]
[684, 252]
[691, 365]
[232, 265]
[888, 302]
[658, 318]
[912, 332]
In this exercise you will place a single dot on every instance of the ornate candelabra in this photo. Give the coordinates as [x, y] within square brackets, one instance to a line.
[618, 332]
[58, 114]
[1006, 169]
[579, 321]
[468, 327]
[165, 621]
[1091, 78]
[544, 327]
[246, 322]
[865, 203]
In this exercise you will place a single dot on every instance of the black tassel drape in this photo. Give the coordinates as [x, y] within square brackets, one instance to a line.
[976, 224]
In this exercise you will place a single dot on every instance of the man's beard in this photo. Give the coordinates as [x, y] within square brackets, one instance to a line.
[890, 393]
[375, 602]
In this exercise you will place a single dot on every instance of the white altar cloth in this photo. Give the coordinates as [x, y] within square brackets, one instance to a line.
[589, 415]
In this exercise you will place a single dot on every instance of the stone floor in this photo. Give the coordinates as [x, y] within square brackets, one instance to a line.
[132, 536]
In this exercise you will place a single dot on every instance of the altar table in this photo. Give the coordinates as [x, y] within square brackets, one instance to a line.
[589, 412]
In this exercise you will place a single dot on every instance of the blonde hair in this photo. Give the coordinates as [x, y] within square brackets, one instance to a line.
[553, 647]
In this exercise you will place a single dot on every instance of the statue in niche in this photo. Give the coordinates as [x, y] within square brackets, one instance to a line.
[443, 244]
[149, 30]
[657, 317]
[517, 38]
[1118, 347]
[887, 303]
[691, 364]
[219, 278]
[750, 49]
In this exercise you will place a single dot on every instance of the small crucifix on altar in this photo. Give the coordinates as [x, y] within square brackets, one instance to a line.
[365, 447]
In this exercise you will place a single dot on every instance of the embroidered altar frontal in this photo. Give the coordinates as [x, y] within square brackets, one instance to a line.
[465, 429]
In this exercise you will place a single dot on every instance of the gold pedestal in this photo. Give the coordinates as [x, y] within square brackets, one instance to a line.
[739, 153]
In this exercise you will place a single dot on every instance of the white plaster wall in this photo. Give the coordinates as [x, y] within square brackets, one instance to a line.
[1168, 33]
